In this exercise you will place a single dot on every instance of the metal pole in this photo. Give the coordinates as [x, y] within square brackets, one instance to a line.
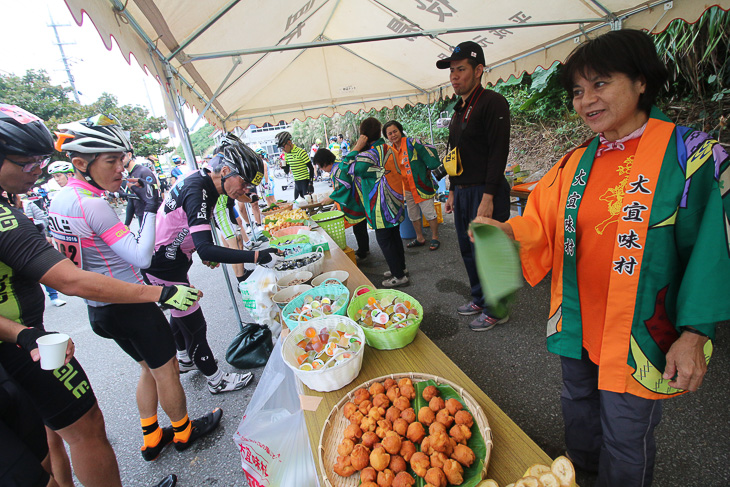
[430, 117]
[185, 141]
[227, 276]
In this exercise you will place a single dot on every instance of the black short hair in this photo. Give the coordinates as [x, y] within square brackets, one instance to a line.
[397, 125]
[323, 157]
[631, 52]
[370, 127]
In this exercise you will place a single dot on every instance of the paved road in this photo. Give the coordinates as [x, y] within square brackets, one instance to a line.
[510, 363]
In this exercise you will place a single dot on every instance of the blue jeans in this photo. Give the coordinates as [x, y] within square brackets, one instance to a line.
[466, 204]
[608, 432]
[52, 293]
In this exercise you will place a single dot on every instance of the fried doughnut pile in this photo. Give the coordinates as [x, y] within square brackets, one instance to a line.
[383, 438]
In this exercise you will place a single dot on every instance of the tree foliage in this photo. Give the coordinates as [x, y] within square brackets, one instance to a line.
[34, 92]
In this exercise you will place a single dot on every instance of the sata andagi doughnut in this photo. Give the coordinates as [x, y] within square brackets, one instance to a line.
[430, 392]
[360, 457]
[368, 424]
[397, 464]
[436, 404]
[368, 474]
[384, 426]
[405, 381]
[452, 405]
[343, 466]
[345, 448]
[392, 414]
[445, 418]
[440, 441]
[420, 463]
[392, 442]
[365, 406]
[356, 417]
[426, 416]
[381, 401]
[369, 439]
[436, 426]
[454, 472]
[407, 449]
[393, 393]
[369, 484]
[348, 409]
[385, 478]
[400, 426]
[408, 390]
[379, 459]
[376, 388]
[376, 413]
[415, 432]
[360, 395]
[403, 479]
[402, 402]
[464, 417]
[435, 476]
[353, 432]
[464, 455]
[409, 415]
[438, 459]
[388, 383]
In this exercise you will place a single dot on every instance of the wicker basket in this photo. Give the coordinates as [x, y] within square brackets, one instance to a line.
[334, 428]
[327, 379]
[333, 222]
[315, 267]
[392, 338]
[333, 291]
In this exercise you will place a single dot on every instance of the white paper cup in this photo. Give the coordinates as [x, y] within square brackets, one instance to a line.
[53, 350]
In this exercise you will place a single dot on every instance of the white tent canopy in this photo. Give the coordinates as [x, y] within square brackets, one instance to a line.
[242, 62]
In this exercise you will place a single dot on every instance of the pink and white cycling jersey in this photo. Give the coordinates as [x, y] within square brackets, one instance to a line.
[87, 230]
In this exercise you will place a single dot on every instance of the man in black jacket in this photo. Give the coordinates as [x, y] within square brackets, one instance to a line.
[479, 130]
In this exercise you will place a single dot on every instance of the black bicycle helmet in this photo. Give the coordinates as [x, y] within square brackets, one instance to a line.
[241, 159]
[22, 133]
[282, 138]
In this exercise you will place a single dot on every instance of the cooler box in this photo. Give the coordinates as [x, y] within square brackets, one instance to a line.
[351, 254]
[439, 215]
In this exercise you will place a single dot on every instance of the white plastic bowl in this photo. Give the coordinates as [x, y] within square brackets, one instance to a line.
[283, 297]
[339, 275]
[285, 280]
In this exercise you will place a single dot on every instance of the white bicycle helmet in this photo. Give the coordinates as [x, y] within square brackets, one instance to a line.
[61, 167]
[94, 135]
[101, 133]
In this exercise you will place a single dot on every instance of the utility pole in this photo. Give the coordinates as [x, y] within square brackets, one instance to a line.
[60, 45]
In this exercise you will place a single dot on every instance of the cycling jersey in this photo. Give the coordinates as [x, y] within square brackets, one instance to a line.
[88, 231]
[299, 162]
[183, 227]
[225, 216]
[25, 256]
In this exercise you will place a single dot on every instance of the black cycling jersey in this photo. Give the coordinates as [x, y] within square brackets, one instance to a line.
[25, 256]
[184, 226]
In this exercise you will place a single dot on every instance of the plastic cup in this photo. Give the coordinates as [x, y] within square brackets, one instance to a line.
[53, 350]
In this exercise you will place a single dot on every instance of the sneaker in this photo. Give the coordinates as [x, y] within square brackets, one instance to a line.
[395, 282]
[231, 381]
[58, 302]
[201, 427]
[251, 244]
[187, 366]
[469, 309]
[390, 274]
[152, 452]
[486, 322]
[169, 481]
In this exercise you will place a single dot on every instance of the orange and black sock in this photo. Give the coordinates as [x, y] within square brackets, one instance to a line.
[182, 429]
[151, 431]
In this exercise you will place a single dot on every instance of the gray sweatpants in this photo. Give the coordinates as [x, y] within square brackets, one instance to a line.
[608, 432]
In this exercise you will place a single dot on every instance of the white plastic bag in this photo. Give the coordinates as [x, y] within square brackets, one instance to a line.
[256, 292]
[272, 436]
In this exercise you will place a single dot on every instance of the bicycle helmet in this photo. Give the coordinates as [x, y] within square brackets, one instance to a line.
[241, 159]
[61, 167]
[318, 141]
[176, 160]
[22, 133]
[94, 135]
[333, 139]
[282, 138]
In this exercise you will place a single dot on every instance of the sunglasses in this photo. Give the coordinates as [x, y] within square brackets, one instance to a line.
[33, 164]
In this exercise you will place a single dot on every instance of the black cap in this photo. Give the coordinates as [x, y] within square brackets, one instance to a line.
[465, 50]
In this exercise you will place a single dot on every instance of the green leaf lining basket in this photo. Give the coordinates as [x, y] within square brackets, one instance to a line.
[288, 240]
[391, 338]
[332, 291]
[333, 222]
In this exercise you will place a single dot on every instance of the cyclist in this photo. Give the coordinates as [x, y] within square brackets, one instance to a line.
[146, 176]
[298, 162]
[268, 183]
[64, 397]
[61, 171]
[177, 171]
[183, 227]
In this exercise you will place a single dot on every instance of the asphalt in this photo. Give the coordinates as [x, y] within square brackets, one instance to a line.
[510, 363]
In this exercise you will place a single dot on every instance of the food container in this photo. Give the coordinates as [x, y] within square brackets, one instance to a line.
[391, 338]
[290, 231]
[283, 297]
[341, 276]
[290, 279]
[328, 378]
[314, 267]
[335, 425]
[293, 318]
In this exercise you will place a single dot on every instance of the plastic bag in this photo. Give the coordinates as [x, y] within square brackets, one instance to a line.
[256, 292]
[272, 436]
[251, 347]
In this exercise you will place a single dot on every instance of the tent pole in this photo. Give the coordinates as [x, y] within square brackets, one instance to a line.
[187, 144]
[430, 117]
[227, 276]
